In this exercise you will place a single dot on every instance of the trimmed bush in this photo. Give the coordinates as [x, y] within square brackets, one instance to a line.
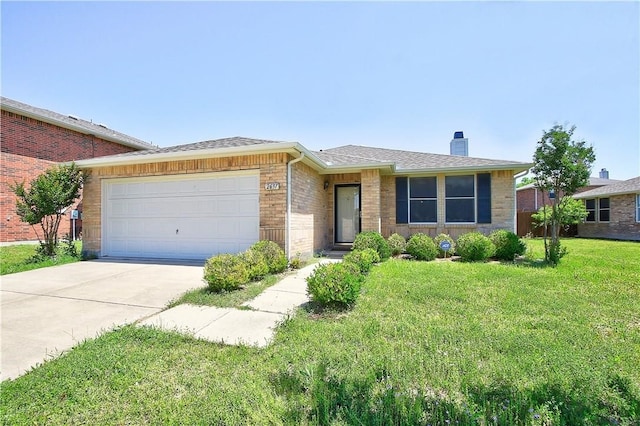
[474, 246]
[335, 283]
[421, 247]
[508, 245]
[372, 240]
[364, 259]
[225, 272]
[445, 237]
[256, 264]
[397, 244]
[273, 255]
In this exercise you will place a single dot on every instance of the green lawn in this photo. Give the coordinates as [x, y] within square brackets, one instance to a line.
[427, 343]
[21, 257]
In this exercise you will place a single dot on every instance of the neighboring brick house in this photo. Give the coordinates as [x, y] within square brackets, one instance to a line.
[195, 200]
[529, 199]
[614, 211]
[34, 139]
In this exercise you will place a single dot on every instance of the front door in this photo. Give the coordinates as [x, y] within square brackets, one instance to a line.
[347, 213]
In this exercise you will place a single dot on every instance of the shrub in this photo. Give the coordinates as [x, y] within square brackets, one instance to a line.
[335, 283]
[372, 240]
[397, 244]
[508, 245]
[225, 272]
[364, 259]
[296, 262]
[256, 264]
[474, 246]
[273, 255]
[445, 237]
[421, 247]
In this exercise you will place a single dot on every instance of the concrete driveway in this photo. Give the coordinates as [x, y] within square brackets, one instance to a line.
[50, 310]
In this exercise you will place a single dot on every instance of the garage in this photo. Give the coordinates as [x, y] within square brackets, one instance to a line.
[191, 216]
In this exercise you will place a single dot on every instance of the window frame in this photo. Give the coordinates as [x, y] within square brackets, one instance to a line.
[473, 199]
[410, 199]
[638, 208]
[607, 209]
[594, 210]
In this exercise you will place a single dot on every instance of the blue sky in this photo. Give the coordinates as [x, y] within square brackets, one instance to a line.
[397, 75]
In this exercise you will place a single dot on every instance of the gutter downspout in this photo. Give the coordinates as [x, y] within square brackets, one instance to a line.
[515, 199]
[288, 238]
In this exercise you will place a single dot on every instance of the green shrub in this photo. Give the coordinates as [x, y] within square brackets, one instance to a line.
[421, 247]
[364, 259]
[225, 272]
[256, 264]
[335, 283]
[474, 246]
[508, 245]
[397, 244]
[296, 262]
[445, 237]
[273, 255]
[372, 240]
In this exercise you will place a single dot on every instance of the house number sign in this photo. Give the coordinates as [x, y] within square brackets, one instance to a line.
[272, 186]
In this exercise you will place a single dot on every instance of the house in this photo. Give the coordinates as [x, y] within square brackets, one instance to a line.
[34, 139]
[529, 199]
[192, 201]
[614, 211]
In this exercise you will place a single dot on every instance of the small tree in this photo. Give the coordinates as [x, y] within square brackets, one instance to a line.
[561, 166]
[45, 199]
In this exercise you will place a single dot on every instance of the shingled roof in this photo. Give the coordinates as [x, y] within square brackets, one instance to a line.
[73, 123]
[631, 186]
[593, 181]
[406, 160]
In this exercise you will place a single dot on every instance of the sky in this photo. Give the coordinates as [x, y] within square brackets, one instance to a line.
[325, 74]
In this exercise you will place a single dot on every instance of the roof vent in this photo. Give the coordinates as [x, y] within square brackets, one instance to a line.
[102, 125]
[459, 145]
[73, 117]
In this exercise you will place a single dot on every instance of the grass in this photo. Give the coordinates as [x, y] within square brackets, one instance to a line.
[426, 343]
[22, 257]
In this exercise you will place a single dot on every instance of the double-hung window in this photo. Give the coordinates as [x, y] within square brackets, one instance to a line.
[603, 210]
[460, 199]
[638, 208]
[590, 205]
[423, 200]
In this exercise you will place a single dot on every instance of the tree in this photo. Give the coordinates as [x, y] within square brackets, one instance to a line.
[573, 212]
[45, 200]
[561, 167]
[525, 181]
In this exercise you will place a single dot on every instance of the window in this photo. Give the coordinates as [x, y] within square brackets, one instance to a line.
[603, 210]
[423, 196]
[638, 208]
[460, 199]
[590, 205]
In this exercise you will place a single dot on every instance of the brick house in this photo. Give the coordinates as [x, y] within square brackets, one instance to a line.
[195, 200]
[529, 199]
[34, 139]
[614, 211]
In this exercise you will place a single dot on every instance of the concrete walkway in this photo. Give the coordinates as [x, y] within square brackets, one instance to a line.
[254, 326]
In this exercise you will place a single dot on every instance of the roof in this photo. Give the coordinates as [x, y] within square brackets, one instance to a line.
[73, 123]
[631, 186]
[335, 160]
[593, 181]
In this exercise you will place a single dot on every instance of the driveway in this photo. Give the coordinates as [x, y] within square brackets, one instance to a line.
[50, 310]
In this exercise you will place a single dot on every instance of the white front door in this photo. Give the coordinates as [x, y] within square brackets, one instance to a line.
[180, 216]
[347, 213]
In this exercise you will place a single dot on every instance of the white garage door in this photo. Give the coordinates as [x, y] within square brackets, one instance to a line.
[180, 217]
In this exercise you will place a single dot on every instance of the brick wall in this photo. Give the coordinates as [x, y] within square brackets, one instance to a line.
[337, 179]
[622, 223]
[370, 200]
[273, 168]
[33, 138]
[28, 148]
[502, 209]
[309, 219]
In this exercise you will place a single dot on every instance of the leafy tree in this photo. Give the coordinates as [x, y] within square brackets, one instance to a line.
[525, 181]
[573, 212]
[45, 199]
[561, 166]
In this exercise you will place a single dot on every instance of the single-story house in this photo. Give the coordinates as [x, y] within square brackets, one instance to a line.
[192, 201]
[614, 211]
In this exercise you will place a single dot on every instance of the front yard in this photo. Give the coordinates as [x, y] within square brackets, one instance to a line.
[427, 343]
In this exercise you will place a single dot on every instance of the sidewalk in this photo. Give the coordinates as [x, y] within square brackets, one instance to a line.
[253, 326]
